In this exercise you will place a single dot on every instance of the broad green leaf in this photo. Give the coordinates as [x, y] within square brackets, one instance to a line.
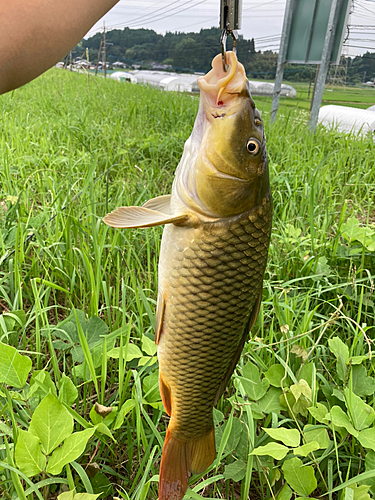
[255, 410]
[147, 360]
[242, 447]
[359, 492]
[341, 352]
[95, 417]
[41, 384]
[73, 447]
[362, 384]
[67, 495]
[133, 352]
[86, 496]
[370, 466]
[101, 484]
[122, 412]
[305, 449]
[51, 422]
[307, 373]
[254, 387]
[14, 368]
[340, 419]
[67, 390]
[149, 346]
[274, 450]
[218, 417]
[29, 457]
[5, 429]
[338, 394]
[289, 437]
[319, 412]
[151, 387]
[285, 494]
[235, 471]
[357, 360]
[300, 478]
[320, 435]
[234, 436]
[103, 429]
[275, 374]
[367, 438]
[362, 414]
[270, 402]
[351, 229]
[302, 388]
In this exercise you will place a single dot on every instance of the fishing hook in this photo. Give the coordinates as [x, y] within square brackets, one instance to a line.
[223, 45]
[230, 21]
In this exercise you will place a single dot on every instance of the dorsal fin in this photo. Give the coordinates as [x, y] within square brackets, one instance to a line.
[127, 217]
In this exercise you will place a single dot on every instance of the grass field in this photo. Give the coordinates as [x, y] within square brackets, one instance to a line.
[77, 303]
[357, 97]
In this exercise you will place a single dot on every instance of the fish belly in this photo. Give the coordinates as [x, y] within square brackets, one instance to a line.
[210, 277]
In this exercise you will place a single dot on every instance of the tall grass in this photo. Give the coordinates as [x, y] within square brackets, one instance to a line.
[72, 149]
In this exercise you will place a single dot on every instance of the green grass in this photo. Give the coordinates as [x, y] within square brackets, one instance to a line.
[356, 97]
[73, 149]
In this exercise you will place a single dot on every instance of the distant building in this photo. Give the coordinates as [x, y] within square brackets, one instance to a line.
[119, 64]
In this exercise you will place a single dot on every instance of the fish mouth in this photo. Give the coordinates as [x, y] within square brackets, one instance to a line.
[220, 88]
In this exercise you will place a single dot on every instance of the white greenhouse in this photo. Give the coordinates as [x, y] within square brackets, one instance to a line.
[123, 76]
[345, 119]
[176, 82]
[264, 88]
[371, 108]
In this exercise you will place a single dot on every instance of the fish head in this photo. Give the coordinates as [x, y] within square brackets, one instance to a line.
[231, 169]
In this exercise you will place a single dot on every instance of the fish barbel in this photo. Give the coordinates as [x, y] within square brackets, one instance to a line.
[212, 260]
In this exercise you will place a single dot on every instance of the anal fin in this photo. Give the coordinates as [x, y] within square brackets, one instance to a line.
[131, 217]
[203, 453]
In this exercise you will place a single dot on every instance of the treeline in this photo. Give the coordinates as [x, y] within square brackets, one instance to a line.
[183, 51]
[194, 52]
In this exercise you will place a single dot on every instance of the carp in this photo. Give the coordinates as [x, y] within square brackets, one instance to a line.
[212, 261]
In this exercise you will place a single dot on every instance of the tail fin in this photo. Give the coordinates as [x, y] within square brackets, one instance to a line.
[181, 457]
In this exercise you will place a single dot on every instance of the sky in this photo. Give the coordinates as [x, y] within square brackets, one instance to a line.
[261, 20]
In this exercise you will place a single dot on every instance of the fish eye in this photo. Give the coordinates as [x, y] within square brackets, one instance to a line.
[253, 146]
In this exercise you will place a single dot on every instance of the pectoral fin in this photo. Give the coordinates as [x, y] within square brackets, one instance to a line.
[127, 217]
[160, 204]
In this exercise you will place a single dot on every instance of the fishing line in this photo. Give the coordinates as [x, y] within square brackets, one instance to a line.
[32, 235]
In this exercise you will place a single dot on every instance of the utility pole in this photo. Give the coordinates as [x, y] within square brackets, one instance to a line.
[99, 53]
[105, 52]
[324, 64]
[281, 61]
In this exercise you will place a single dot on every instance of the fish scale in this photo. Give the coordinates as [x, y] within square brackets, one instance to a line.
[206, 312]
